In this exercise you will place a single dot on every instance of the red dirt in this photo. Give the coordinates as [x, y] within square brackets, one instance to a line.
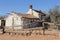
[32, 37]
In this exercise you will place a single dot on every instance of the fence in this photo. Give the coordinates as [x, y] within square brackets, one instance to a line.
[52, 25]
[29, 31]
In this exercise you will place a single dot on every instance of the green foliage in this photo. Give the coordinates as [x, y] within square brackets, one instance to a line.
[54, 14]
[47, 19]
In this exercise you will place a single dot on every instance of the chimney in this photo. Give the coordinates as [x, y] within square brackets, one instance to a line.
[30, 6]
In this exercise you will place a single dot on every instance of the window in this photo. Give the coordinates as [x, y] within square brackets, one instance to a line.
[31, 21]
[41, 17]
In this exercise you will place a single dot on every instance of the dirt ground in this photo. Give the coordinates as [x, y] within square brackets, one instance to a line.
[48, 36]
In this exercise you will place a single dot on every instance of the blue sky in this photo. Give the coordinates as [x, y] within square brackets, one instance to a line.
[22, 6]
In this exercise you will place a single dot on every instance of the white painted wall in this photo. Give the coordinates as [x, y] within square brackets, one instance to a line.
[30, 11]
[34, 13]
[17, 21]
[9, 21]
[0, 22]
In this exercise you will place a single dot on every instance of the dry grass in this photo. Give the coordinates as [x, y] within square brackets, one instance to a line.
[50, 35]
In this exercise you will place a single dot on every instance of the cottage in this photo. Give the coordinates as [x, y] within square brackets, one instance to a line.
[21, 21]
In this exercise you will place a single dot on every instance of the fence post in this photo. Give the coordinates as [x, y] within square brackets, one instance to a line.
[43, 29]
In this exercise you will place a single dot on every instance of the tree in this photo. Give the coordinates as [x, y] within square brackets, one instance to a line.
[47, 18]
[54, 13]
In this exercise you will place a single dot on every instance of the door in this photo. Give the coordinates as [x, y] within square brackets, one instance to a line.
[2, 23]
